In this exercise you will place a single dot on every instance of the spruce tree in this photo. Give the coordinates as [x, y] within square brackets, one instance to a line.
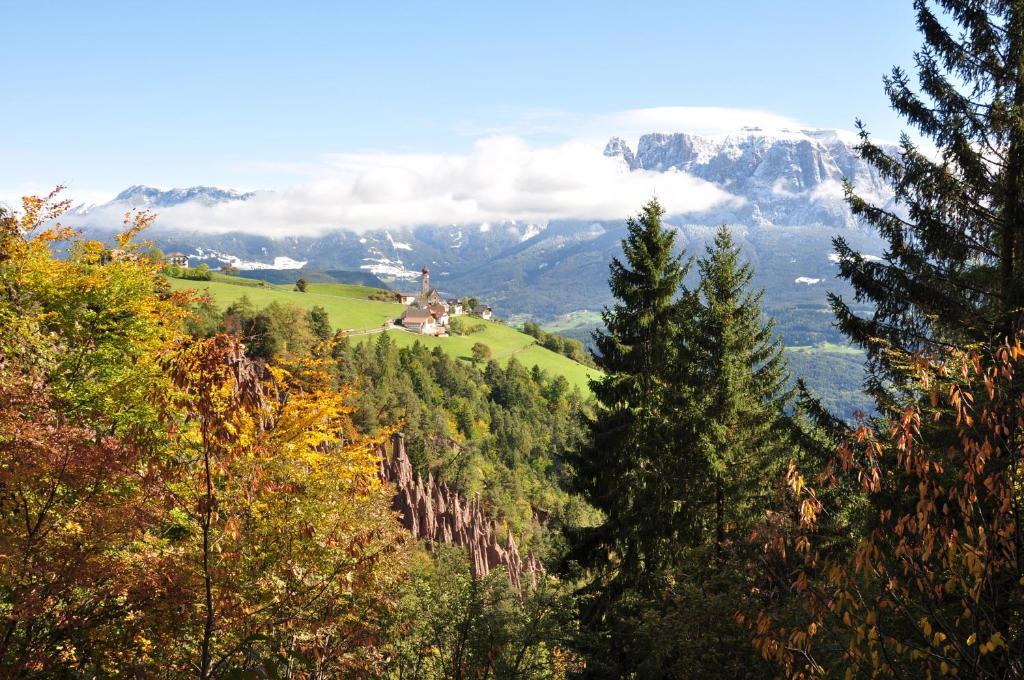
[688, 450]
[632, 431]
[736, 367]
[953, 270]
[951, 279]
[733, 435]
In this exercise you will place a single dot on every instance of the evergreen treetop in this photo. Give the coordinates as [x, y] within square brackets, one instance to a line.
[736, 371]
[953, 271]
[633, 427]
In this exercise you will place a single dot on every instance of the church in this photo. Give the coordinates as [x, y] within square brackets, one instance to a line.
[428, 296]
[429, 313]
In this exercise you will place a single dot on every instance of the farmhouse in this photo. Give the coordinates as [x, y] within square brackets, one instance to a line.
[406, 298]
[176, 259]
[439, 313]
[483, 311]
[419, 321]
[455, 307]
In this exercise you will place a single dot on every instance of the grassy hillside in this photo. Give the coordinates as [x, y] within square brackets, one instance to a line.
[345, 311]
[346, 290]
[350, 308]
[504, 342]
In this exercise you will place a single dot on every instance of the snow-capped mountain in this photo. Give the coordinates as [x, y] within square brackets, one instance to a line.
[139, 196]
[788, 186]
[787, 178]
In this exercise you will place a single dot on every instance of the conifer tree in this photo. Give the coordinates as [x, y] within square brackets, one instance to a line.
[947, 298]
[730, 398]
[736, 368]
[632, 428]
[688, 447]
[622, 468]
[953, 271]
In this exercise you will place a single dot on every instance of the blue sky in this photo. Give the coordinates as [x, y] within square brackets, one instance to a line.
[100, 95]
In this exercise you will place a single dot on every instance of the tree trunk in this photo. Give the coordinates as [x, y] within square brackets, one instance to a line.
[719, 516]
[206, 514]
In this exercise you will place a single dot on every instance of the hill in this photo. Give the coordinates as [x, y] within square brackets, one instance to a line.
[351, 309]
[289, 276]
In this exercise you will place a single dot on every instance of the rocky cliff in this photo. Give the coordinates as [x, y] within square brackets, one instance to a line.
[435, 513]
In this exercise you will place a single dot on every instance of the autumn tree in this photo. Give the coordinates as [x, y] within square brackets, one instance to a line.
[171, 507]
[933, 587]
[931, 584]
[284, 523]
[81, 454]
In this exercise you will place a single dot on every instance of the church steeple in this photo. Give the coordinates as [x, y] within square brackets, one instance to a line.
[425, 288]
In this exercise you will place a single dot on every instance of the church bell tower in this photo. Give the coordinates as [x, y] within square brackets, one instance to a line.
[425, 288]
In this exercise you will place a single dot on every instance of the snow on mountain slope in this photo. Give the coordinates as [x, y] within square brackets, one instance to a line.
[789, 203]
[139, 195]
[786, 177]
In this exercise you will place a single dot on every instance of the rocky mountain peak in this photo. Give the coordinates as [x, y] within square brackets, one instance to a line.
[784, 177]
[140, 195]
[618, 148]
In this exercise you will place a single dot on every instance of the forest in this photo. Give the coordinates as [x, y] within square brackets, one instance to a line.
[195, 491]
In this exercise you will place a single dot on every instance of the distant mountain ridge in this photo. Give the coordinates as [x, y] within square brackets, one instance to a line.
[790, 204]
[139, 195]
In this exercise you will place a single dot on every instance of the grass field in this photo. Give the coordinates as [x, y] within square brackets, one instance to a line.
[344, 311]
[349, 308]
[237, 280]
[825, 348]
[345, 290]
[574, 320]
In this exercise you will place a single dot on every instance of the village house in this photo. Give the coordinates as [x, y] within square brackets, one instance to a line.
[439, 313]
[176, 259]
[483, 311]
[455, 307]
[419, 321]
[406, 298]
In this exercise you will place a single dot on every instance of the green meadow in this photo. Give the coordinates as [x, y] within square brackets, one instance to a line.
[350, 308]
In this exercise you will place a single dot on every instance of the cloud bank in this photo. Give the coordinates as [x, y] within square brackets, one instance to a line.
[630, 124]
[522, 169]
[503, 178]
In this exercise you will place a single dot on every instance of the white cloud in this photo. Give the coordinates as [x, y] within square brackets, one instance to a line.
[502, 179]
[828, 191]
[632, 123]
[698, 120]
